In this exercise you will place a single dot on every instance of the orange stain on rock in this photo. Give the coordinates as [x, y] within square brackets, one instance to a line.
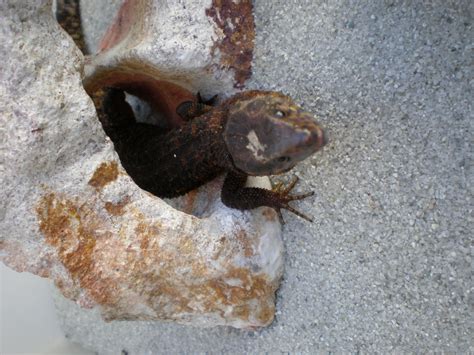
[145, 233]
[246, 243]
[171, 279]
[104, 174]
[117, 209]
[71, 229]
[239, 288]
[250, 288]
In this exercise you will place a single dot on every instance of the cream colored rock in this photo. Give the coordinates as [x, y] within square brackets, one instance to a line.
[70, 212]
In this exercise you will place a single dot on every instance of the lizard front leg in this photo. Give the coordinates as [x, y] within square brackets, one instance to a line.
[236, 195]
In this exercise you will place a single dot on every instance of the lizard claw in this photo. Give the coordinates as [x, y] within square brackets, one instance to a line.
[284, 197]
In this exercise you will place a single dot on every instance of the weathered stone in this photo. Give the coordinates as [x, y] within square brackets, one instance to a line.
[71, 213]
[161, 50]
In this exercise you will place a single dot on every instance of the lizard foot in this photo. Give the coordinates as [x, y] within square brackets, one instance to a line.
[283, 197]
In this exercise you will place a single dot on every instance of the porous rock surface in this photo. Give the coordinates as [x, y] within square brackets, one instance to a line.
[70, 212]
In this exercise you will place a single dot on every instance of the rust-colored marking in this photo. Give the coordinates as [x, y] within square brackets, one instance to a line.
[170, 279]
[117, 209]
[71, 229]
[252, 288]
[168, 286]
[104, 174]
[235, 20]
[242, 312]
[245, 242]
[266, 314]
[144, 233]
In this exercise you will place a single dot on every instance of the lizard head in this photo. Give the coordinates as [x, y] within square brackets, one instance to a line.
[266, 133]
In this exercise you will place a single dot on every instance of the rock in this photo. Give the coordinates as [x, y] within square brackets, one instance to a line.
[71, 213]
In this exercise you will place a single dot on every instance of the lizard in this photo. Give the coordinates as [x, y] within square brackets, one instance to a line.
[253, 133]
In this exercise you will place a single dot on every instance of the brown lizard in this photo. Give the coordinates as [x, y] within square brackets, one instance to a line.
[254, 133]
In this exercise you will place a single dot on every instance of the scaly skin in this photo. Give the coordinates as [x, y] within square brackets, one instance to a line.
[253, 133]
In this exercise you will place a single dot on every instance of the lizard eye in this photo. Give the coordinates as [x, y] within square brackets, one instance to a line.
[280, 114]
